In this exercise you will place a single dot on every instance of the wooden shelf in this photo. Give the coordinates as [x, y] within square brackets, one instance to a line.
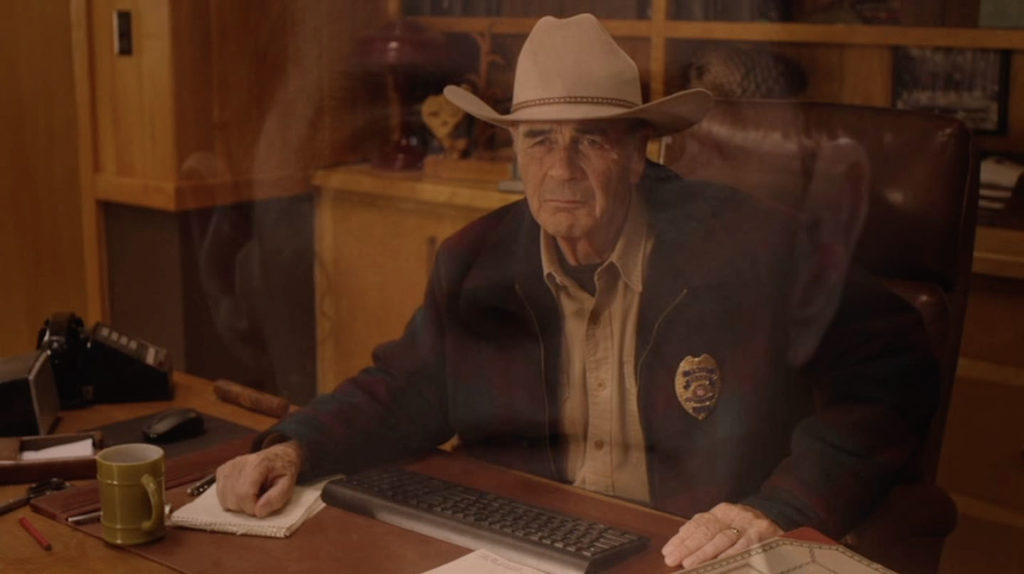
[184, 196]
[414, 187]
[847, 34]
[968, 369]
[522, 26]
[786, 32]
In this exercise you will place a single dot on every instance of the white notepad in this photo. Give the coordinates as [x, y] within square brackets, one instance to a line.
[205, 513]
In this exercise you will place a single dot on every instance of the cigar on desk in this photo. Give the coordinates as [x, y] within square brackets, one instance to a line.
[252, 399]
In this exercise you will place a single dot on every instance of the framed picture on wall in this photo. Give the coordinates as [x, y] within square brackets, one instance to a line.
[967, 84]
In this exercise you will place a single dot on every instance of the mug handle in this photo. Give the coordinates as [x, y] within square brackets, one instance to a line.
[153, 490]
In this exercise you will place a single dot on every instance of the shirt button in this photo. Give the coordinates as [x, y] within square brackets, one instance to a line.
[599, 444]
[601, 386]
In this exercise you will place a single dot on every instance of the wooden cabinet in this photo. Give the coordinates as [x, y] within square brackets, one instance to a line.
[203, 139]
[218, 102]
[376, 237]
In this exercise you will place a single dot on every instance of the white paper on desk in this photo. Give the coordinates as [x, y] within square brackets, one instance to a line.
[792, 557]
[482, 562]
[205, 513]
[67, 450]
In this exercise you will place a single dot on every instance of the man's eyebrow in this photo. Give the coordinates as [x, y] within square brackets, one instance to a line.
[536, 132]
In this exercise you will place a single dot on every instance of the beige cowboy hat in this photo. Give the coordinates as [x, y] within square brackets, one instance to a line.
[571, 69]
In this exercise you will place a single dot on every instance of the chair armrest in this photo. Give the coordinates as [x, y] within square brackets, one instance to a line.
[907, 531]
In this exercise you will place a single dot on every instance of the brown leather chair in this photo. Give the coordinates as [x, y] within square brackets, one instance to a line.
[918, 235]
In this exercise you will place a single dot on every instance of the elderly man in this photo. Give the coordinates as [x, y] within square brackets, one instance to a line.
[632, 333]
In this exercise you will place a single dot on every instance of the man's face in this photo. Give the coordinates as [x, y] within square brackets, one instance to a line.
[578, 178]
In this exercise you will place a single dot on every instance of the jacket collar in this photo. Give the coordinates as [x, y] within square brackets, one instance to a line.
[627, 256]
[683, 226]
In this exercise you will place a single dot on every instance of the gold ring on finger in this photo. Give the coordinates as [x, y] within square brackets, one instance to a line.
[734, 531]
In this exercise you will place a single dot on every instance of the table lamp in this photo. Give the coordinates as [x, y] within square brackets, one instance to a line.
[407, 52]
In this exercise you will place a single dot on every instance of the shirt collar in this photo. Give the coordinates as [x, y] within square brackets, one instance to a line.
[627, 256]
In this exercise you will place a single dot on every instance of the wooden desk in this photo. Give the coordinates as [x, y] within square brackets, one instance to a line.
[348, 542]
[74, 551]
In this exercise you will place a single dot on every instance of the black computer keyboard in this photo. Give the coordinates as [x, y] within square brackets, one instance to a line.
[530, 535]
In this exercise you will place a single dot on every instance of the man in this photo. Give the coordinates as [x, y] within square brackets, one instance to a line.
[632, 333]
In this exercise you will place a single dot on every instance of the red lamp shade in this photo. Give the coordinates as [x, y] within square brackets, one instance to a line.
[403, 49]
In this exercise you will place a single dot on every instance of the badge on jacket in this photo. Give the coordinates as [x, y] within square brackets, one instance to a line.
[697, 382]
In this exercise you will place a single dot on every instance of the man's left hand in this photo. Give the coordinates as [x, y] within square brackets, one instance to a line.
[722, 531]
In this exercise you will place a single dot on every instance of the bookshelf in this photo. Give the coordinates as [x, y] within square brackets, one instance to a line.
[845, 63]
[789, 32]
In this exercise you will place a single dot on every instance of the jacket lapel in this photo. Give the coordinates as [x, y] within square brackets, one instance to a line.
[504, 296]
[683, 226]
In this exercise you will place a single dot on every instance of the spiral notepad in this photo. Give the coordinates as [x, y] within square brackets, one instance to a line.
[205, 513]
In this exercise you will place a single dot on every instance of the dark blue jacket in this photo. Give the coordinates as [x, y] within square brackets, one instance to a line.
[816, 444]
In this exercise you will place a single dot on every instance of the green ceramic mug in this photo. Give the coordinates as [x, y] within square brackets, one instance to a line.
[131, 479]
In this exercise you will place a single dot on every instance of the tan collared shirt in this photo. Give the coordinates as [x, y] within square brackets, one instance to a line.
[597, 390]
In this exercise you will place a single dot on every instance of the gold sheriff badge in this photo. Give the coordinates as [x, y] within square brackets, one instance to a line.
[697, 383]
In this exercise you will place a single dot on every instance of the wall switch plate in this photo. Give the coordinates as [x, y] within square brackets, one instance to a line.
[123, 32]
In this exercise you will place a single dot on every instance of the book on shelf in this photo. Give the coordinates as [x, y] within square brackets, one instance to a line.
[451, 7]
[608, 9]
[416, 7]
[690, 10]
[729, 10]
[481, 7]
[999, 171]
[1001, 191]
[995, 192]
[530, 8]
[446, 7]
[1001, 13]
[992, 204]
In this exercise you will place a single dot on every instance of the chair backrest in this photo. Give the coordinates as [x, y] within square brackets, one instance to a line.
[922, 188]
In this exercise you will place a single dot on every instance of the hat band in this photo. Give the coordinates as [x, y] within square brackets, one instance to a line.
[573, 100]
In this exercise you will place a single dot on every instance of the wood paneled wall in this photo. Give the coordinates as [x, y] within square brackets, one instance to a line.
[41, 255]
[250, 87]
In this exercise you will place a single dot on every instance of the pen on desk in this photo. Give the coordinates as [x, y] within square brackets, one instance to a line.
[84, 518]
[31, 529]
[201, 486]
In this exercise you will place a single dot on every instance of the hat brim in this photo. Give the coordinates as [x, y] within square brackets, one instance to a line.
[667, 115]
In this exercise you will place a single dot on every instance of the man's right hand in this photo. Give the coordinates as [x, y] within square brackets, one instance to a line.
[262, 482]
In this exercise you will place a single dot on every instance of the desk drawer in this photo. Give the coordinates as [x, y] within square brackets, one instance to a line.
[981, 452]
